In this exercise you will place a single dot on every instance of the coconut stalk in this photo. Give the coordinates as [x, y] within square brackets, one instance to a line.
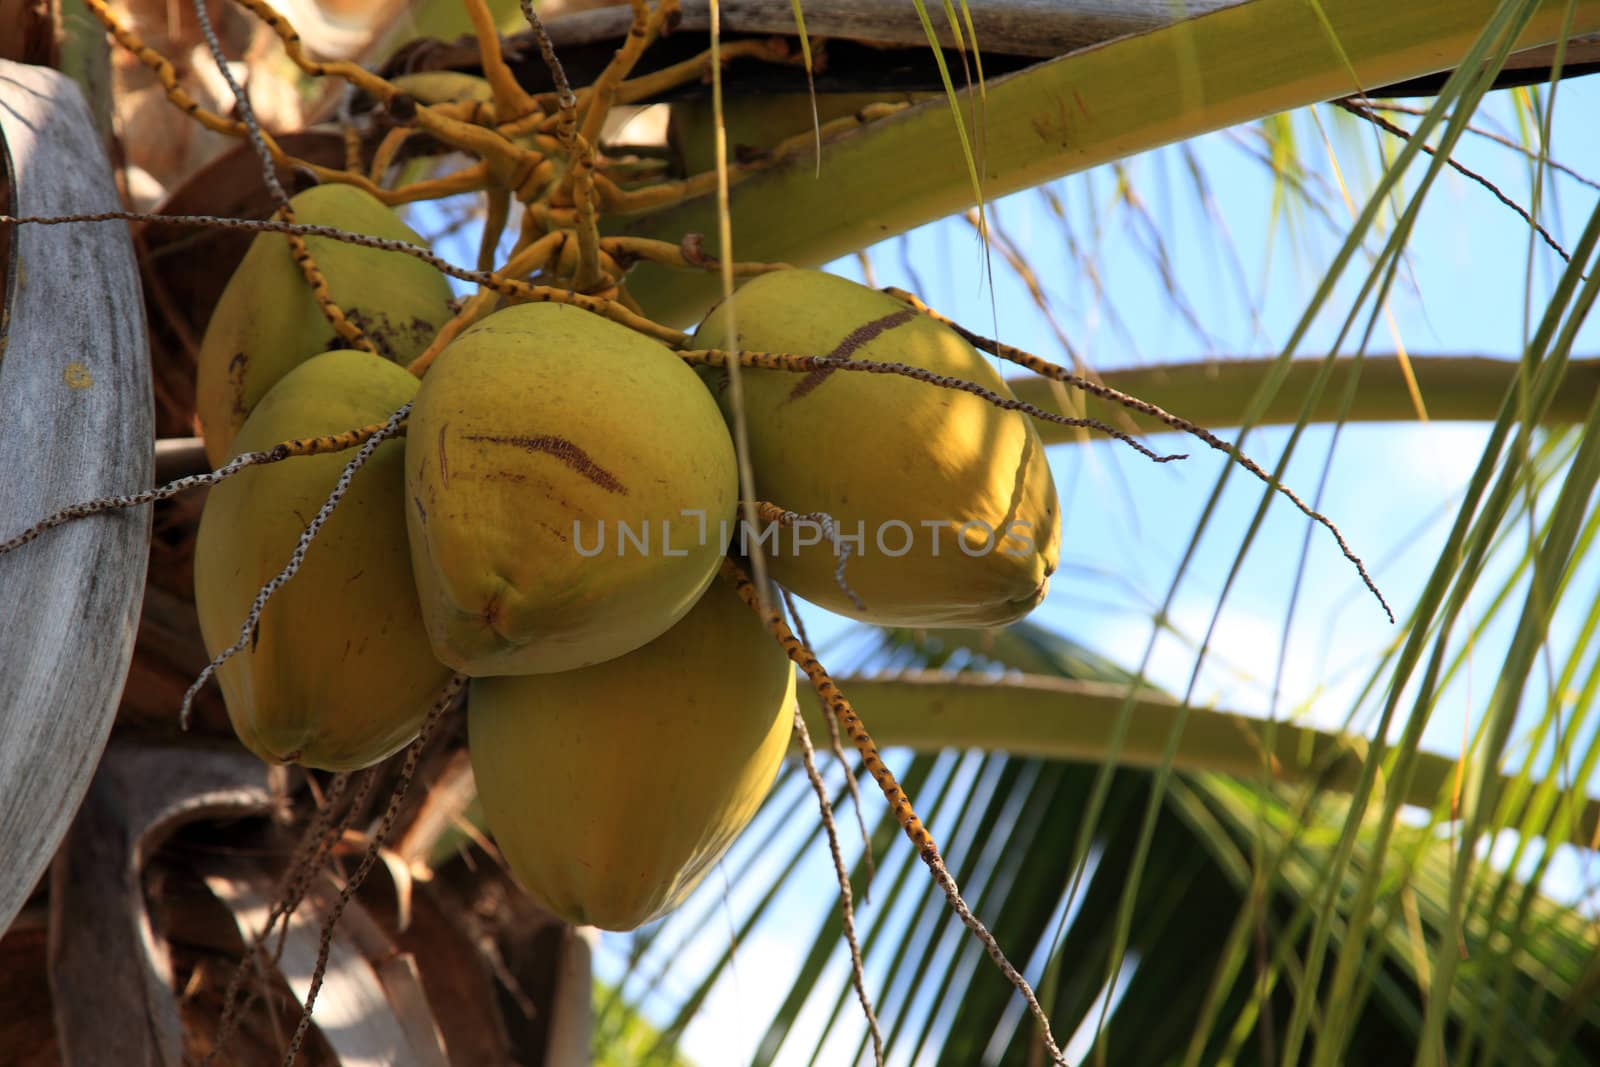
[1224, 67]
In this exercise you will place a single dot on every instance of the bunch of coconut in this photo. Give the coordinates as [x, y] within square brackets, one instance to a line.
[552, 525]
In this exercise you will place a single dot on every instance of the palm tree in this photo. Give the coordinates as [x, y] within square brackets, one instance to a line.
[1181, 885]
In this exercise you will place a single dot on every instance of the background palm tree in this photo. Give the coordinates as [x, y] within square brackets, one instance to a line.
[1293, 911]
[1336, 921]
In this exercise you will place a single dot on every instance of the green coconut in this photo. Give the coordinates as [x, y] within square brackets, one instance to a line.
[612, 790]
[267, 321]
[339, 674]
[570, 483]
[946, 501]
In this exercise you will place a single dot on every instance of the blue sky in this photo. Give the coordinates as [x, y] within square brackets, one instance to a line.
[1391, 488]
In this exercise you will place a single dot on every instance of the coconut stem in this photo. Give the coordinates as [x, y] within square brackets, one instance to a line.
[309, 854]
[302, 446]
[408, 770]
[824, 365]
[836, 743]
[847, 911]
[1045, 369]
[835, 702]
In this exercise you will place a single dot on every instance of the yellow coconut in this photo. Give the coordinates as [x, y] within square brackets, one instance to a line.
[613, 789]
[946, 501]
[267, 322]
[569, 485]
[339, 674]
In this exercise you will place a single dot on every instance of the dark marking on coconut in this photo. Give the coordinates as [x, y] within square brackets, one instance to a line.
[561, 449]
[491, 610]
[444, 465]
[236, 369]
[846, 348]
[377, 330]
[421, 331]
